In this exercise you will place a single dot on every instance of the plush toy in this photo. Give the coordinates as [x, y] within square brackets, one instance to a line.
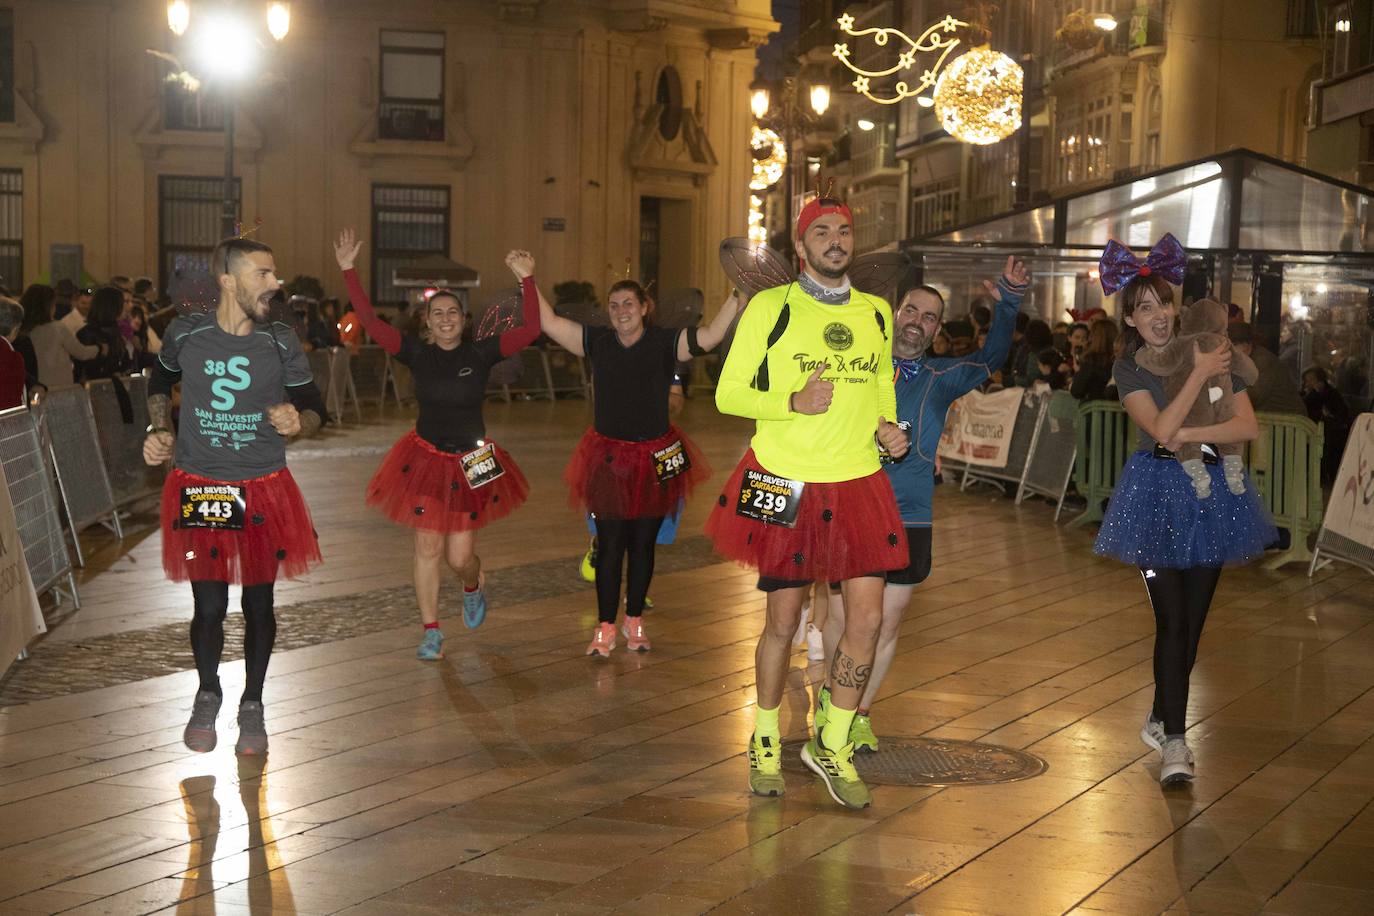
[1203, 323]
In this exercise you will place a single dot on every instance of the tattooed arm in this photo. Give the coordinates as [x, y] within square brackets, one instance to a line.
[160, 442]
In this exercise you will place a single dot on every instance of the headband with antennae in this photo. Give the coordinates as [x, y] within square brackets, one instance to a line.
[241, 233]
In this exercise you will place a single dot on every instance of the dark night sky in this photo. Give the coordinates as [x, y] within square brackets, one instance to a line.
[787, 12]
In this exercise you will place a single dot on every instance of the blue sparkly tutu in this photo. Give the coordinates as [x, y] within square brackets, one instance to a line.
[1155, 519]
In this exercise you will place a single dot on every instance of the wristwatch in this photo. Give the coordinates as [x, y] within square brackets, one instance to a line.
[155, 429]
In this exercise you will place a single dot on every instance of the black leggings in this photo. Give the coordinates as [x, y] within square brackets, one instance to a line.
[1180, 598]
[207, 634]
[616, 537]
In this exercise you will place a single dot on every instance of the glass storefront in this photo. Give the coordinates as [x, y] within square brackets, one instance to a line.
[1292, 248]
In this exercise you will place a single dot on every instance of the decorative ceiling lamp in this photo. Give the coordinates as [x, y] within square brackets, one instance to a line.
[978, 97]
[770, 158]
[937, 38]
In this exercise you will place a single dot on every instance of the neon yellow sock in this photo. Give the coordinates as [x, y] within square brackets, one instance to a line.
[835, 735]
[766, 721]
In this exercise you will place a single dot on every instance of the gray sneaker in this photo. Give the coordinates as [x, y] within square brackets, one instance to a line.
[1177, 765]
[200, 730]
[1152, 732]
[252, 731]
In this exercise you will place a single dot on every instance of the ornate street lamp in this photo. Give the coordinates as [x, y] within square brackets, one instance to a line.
[225, 44]
[783, 112]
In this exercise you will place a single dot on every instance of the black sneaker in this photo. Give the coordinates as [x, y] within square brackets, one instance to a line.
[252, 731]
[200, 730]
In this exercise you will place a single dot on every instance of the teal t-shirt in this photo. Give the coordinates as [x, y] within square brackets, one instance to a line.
[227, 383]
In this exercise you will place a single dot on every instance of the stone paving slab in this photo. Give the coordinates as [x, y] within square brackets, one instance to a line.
[58, 669]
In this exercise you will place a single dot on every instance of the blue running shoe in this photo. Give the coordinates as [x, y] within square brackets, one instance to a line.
[474, 608]
[431, 647]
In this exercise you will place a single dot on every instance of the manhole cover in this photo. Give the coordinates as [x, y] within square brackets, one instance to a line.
[933, 762]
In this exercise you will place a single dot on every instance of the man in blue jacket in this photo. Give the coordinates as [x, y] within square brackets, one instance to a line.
[926, 387]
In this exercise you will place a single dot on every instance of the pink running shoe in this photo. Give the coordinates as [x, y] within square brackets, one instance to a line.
[603, 640]
[635, 638]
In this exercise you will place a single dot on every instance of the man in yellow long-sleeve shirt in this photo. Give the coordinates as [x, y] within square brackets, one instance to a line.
[812, 363]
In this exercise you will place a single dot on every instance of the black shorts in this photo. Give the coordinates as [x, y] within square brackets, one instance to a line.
[916, 571]
[918, 567]
[769, 584]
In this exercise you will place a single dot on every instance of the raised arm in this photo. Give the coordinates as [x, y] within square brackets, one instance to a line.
[958, 378]
[709, 337]
[564, 331]
[346, 249]
[513, 341]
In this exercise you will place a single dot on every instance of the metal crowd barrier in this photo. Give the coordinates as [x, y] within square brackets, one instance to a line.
[333, 376]
[82, 481]
[35, 505]
[505, 374]
[372, 375]
[1052, 452]
[341, 387]
[1286, 465]
[320, 371]
[566, 372]
[1106, 437]
[121, 443]
[1018, 449]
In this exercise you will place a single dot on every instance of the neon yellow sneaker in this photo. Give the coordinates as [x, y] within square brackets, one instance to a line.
[822, 710]
[861, 735]
[836, 770]
[765, 766]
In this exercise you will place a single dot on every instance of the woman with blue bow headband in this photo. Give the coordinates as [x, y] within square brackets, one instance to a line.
[1155, 521]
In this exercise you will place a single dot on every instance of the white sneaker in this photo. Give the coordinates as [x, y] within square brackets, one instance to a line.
[1152, 732]
[799, 639]
[1177, 765]
[815, 644]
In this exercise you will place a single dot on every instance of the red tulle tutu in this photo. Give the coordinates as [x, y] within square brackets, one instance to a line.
[843, 530]
[419, 486]
[277, 539]
[613, 478]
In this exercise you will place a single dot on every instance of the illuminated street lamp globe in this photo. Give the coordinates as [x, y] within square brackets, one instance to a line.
[978, 97]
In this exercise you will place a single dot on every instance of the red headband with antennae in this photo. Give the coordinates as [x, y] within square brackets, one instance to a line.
[815, 209]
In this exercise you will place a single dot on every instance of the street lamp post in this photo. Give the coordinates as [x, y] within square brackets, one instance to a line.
[225, 47]
[793, 116]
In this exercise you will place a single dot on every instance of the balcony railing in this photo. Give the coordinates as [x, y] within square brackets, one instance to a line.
[875, 217]
[934, 210]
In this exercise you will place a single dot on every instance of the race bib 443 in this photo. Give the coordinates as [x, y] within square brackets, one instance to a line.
[218, 505]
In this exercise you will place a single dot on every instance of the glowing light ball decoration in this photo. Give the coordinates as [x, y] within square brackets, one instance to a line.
[978, 97]
[770, 158]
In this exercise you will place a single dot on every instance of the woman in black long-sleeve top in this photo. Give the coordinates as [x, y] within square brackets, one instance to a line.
[102, 327]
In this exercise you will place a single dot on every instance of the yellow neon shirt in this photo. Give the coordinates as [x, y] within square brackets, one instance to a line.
[838, 444]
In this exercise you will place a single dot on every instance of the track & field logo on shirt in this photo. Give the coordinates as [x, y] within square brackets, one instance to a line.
[838, 336]
[230, 376]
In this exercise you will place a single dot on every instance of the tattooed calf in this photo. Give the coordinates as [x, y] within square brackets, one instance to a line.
[845, 673]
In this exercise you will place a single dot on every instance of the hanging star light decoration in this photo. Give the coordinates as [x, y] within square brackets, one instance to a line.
[938, 38]
[978, 97]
